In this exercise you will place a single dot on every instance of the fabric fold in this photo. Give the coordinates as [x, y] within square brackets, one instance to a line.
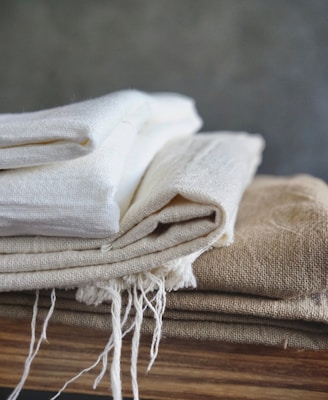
[281, 242]
[186, 202]
[77, 194]
[269, 287]
[74, 130]
[297, 323]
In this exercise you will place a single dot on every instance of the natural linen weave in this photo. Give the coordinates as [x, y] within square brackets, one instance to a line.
[248, 292]
[83, 196]
[153, 198]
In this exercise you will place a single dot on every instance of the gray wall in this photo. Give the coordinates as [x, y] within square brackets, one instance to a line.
[255, 65]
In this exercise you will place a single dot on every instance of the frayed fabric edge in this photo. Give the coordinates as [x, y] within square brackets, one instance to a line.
[146, 291]
[34, 349]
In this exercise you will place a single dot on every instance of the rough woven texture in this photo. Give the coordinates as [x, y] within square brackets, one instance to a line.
[281, 242]
[186, 202]
[83, 196]
[209, 313]
[71, 131]
[299, 323]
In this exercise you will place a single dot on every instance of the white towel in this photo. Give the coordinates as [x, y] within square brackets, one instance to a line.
[85, 196]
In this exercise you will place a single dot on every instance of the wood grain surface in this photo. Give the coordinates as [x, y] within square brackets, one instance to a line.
[183, 370]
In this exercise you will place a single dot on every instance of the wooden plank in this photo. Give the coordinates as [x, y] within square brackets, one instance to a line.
[183, 370]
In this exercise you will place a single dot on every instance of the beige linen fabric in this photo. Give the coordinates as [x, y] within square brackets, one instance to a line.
[300, 323]
[201, 306]
[186, 202]
[269, 287]
[282, 256]
[281, 241]
[247, 333]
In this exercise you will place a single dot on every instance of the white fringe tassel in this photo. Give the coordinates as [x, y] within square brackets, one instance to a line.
[115, 370]
[173, 276]
[138, 306]
[139, 287]
[34, 351]
[107, 349]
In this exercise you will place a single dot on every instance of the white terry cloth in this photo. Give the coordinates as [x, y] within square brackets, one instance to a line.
[186, 202]
[87, 196]
[71, 131]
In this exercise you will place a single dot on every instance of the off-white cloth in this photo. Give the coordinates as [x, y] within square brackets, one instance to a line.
[131, 217]
[186, 202]
[71, 131]
[85, 196]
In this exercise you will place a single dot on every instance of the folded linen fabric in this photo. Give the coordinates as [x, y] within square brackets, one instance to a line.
[270, 286]
[71, 131]
[84, 196]
[295, 323]
[281, 242]
[186, 202]
[271, 283]
[279, 252]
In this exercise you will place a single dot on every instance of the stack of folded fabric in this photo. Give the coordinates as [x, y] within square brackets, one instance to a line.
[114, 198]
[270, 287]
[113, 202]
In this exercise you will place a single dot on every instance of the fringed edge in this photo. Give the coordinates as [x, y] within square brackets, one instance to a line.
[146, 291]
[33, 350]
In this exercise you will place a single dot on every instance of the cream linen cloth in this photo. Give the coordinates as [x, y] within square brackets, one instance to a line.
[85, 196]
[71, 131]
[186, 202]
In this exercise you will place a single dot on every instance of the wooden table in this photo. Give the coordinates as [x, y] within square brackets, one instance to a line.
[183, 370]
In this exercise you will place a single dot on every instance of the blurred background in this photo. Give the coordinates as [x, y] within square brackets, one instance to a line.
[252, 65]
